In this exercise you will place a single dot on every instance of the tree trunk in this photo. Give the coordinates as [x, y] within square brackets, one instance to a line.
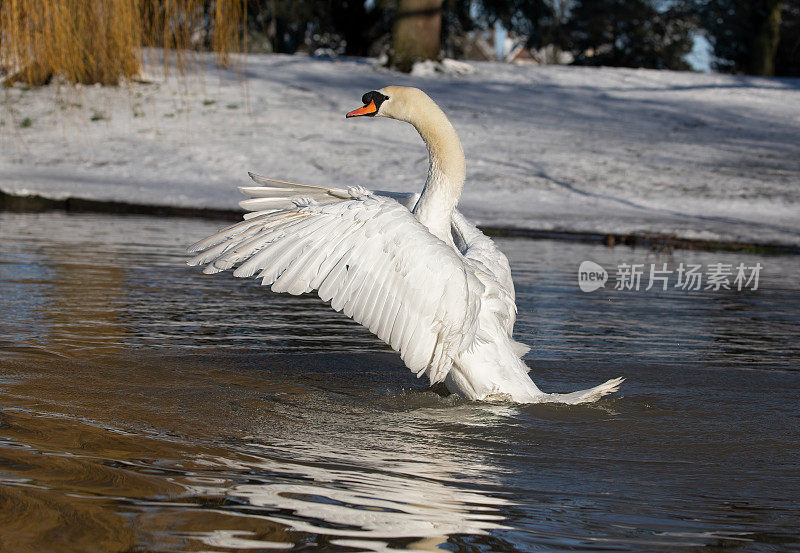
[767, 34]
[417, 33]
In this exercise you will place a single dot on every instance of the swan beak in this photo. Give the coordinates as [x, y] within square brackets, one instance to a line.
[369, 109]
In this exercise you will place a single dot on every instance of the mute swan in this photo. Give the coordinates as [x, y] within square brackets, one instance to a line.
[409, 267]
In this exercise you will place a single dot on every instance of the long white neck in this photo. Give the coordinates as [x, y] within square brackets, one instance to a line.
[446, 171]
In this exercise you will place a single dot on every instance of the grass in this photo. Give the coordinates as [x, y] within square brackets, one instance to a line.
[100, 41]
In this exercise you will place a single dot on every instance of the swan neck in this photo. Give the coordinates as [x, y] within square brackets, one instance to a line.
[446, 172]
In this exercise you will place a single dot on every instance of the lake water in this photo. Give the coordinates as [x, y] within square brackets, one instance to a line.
[145, 406]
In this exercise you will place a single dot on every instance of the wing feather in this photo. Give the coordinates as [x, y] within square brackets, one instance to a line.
[369, 257]
[494, 272]
[379, 299]
[389, 313]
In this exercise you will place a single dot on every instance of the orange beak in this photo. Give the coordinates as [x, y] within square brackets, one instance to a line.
[368, 109]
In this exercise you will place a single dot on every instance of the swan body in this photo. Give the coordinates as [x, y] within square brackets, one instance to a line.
[409, 267]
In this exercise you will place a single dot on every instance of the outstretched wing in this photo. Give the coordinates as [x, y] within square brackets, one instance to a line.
[371, 259]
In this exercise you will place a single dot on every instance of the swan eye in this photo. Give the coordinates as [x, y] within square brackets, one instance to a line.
[374, 96]
[372, 103]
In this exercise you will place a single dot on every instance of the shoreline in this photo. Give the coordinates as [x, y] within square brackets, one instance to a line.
[660, 242]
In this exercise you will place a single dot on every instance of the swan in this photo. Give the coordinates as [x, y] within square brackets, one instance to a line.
[409, 267]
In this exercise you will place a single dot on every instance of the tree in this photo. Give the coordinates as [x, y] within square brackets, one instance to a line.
[629, 33]
[539, 20]
[744, 33]
[417, 32]
[359, 24]
[348, 27]
[787, 58]
[286, 25]
[100, 41]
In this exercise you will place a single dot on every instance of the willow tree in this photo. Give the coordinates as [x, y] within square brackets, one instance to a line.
[100, 41]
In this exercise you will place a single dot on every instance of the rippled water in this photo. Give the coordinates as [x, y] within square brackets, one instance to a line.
[147, 407]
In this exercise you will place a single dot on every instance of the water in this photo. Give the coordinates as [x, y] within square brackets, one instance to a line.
[147, 407]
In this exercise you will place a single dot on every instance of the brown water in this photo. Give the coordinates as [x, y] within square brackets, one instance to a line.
[147, 407]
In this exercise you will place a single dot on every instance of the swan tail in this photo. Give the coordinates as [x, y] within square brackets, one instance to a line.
[587, 396]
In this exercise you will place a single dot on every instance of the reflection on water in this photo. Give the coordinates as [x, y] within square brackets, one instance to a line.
[354, 496]
[256, 464]
[145, 406]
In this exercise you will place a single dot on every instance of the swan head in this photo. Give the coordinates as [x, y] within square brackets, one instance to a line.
[403, 103]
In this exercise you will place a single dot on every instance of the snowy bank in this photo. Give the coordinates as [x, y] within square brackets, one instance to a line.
[550, 148]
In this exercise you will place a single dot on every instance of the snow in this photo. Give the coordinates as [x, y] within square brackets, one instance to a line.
[429, 68]
[602, 150]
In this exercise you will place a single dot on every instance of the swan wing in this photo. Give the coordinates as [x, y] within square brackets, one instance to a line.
[372, 260]
[480, 248]
[495, 270]
[273, 194]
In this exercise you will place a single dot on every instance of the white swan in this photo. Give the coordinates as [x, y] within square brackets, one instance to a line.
[409, 267]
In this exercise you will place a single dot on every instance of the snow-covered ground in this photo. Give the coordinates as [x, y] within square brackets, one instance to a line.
[551, 148]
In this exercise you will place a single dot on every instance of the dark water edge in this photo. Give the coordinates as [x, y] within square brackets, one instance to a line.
[658, 241]
[147, 407]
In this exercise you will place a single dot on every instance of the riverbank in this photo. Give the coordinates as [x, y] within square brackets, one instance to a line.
[687, 158]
